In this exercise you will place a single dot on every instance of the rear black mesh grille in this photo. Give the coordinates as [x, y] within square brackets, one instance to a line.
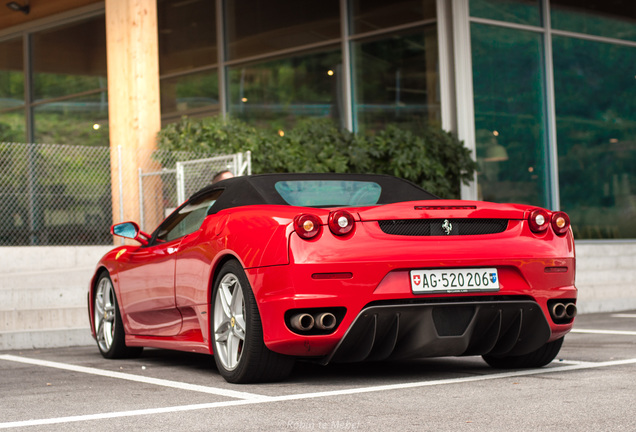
[440, 227]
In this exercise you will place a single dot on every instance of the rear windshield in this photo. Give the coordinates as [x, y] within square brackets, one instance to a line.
[329, 193]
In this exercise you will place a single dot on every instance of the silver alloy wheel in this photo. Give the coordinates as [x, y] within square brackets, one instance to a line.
[229, 321]
[104, 314]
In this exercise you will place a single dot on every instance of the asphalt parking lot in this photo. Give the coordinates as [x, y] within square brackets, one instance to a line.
[590, 387]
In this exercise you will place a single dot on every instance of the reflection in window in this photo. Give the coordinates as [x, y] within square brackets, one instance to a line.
[187, 34]
[509, 114]
[329, 193]
[11, 74]
[79, 67]
[260, 26]
[189, 93]
[188, 219]
[595, 95]
[370, 15]
[79, 121]
[396, 80]
[609, 18]
[11, 91]
[278, 92]
[516, 11]
[12, 126]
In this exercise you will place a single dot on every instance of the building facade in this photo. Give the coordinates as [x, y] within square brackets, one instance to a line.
[542, 91]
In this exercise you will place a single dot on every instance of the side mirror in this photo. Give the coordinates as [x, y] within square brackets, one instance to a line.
[130, 230]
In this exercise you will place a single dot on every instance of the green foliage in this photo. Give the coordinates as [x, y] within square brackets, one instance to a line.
[10, 133]
[431, 157]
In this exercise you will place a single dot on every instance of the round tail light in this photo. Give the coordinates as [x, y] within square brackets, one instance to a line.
[341, 222]
[307, 226]
[560, 223]
[539, 220]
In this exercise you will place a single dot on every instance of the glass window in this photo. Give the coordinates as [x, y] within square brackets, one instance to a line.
[278, 92]
[11, 74]
[185, 93]
[370, 15]
[515, 11]
[595, 92]
[509, 114]
[79, 67]
[260, 26]
[609, 18]
[12, 126]
[187, 34]
[328, 193]
[187, 219]
[396, 80]
[79, 121]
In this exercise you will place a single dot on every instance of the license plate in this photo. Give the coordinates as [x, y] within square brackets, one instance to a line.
[454, 280]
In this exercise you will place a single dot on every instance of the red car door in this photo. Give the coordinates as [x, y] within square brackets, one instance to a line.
[146, 281]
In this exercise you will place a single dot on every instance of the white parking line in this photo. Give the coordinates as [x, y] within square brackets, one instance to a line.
[295, 397]
[137, 378]
[608, 332]
[624, 316]
[573, 362]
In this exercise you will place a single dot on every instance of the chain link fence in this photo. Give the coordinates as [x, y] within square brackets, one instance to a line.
[182, 175]
[62, 194]
[54, 195]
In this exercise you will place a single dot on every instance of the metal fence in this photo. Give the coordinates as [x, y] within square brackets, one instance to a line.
[54, 195]
[182, 175]
[61, 194]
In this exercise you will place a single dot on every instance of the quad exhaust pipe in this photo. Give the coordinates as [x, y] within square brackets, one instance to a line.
[304, 322]
[561, 311]
[325, 321]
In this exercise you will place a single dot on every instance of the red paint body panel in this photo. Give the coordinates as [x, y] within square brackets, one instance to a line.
[148, 277]
[165, 298]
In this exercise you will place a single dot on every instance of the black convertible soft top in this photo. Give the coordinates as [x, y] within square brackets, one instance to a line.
[262, 189]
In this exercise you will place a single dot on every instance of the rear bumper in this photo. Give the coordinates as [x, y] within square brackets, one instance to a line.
[370, 270]
[374, 299]
[443, 329]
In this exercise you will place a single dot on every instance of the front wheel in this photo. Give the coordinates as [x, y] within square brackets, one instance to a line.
[540, 357]
[239, 351]
[109, 329]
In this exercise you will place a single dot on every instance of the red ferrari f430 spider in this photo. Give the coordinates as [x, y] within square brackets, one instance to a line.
[263, 270]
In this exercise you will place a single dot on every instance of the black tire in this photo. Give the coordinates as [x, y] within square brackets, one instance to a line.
[540, 357]
[109, 329]
[237, 334]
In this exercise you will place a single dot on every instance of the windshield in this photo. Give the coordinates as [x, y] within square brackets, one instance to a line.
[329, 193]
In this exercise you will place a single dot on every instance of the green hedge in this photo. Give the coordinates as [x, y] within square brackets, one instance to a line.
[432, 158]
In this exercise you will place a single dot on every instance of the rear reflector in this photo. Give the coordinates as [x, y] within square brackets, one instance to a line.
[343, 275]
[445, 207]
[556, 269]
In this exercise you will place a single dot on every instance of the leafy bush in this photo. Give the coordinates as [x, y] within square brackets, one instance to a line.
[432, 158]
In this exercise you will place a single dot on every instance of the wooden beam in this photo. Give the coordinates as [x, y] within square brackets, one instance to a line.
[133, 104]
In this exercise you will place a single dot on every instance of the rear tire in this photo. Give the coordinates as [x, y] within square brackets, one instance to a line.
[239, 351]
[540, 357]
[109, 328]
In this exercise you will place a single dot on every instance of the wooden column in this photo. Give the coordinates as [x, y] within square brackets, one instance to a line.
[133, 104]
